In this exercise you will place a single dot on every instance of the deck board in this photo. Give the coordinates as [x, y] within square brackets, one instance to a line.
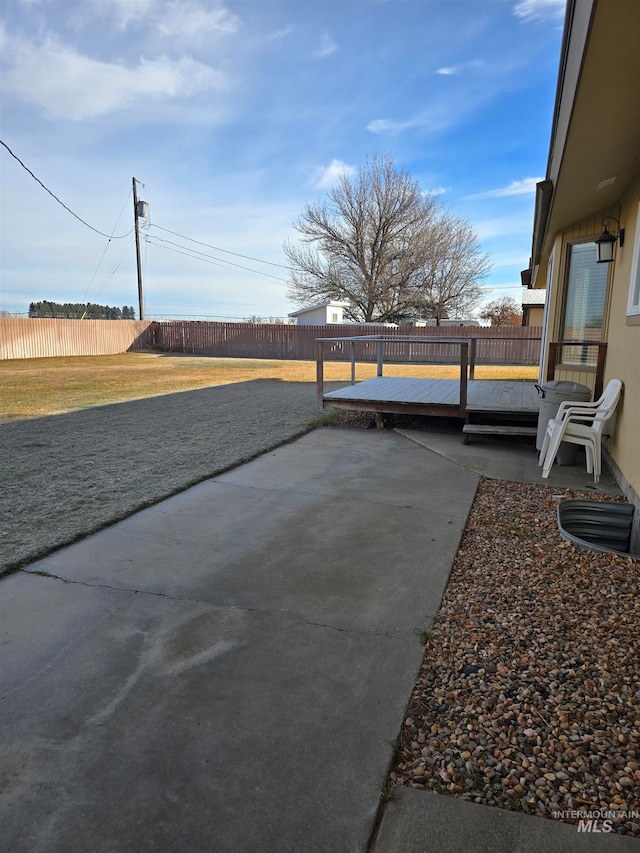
[396, 392]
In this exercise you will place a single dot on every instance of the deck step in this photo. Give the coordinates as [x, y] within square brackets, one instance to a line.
[497, 429]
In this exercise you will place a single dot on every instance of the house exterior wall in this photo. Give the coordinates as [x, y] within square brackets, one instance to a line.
[623, 353]
[321, 316]
[533, 315]
[622, 335]
[315, 317]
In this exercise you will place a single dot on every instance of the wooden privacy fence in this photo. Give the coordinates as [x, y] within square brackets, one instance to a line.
[22, 337]
[497, 345]
[27, 337]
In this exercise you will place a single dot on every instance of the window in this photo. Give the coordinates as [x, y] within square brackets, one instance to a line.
[633, 306]
[334, 318]
[584, 303]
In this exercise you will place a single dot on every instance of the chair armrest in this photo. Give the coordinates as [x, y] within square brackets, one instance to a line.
[578, 417]
[573, 413]
[568, 405]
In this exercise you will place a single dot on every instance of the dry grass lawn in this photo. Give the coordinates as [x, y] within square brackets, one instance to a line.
[31, 388]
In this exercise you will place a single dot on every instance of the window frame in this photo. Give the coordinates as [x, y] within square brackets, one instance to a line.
[571, 365]
[633, 299]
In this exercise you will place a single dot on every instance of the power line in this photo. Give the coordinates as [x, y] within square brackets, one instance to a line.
[187, 254]
[115, 269]
[208, 259]
[271, 263]
[108, 243]
[218, 249]
[211, 259]
[68, 209]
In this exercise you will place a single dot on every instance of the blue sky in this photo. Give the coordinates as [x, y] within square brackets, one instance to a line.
[235, 114]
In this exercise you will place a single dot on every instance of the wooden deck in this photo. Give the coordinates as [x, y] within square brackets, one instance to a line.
[399, 395]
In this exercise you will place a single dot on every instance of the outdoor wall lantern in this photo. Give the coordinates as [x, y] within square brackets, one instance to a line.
[606, 241]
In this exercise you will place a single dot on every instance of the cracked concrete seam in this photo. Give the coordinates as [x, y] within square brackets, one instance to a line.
[239, 607]
[68, 645]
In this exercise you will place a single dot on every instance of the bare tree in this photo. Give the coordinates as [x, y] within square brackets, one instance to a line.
[502, 312]
[381, 244]
[455, 264]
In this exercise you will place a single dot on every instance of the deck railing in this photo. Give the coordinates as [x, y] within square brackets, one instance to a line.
[555, 360]
[467, 356]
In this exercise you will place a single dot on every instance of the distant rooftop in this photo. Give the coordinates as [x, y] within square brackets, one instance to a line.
[326, 304]
[534, 297]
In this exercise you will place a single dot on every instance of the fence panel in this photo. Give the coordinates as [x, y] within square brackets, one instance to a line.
[27, 337]
[497, 345]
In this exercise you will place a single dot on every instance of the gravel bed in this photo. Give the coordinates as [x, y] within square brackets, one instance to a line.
[66, 476]
[528, 697]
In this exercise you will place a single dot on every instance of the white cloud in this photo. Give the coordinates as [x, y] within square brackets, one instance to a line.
[281, 34]
[327, 176]
[500, 226]
[435, 191]
[524, 187]
[452, 70]
[70, 85]
[125, 11]
[183, 21]
[187, 22]
[499, 261]
[534, 11]
[444, 110]
[327, 46]
[388, 125]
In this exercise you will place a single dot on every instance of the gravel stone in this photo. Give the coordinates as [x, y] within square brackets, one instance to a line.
[529, 692]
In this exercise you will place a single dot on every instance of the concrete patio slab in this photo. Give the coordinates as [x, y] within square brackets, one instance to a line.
[59, 614]
[181, 727]
[227, 670]
[505, 459]
[418, 822]
[302, 545]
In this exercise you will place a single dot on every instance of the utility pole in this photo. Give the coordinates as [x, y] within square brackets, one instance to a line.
[135, 219]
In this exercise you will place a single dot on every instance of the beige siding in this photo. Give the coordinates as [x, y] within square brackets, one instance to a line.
[623, 354]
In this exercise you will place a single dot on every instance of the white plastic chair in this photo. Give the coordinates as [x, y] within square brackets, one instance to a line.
[581, 424]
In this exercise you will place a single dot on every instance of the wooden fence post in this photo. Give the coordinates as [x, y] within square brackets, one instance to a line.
[472, 358]
[320, 373]
[464, 361]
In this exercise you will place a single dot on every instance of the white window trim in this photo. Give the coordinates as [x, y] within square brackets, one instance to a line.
[633, 309]
[545, 320]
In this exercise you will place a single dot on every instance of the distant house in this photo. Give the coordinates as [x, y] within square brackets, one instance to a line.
[417, 323]
[592, 184]
[533, 302]
[323, 314]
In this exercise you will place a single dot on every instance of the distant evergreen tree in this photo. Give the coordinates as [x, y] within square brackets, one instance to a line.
[79, 311]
